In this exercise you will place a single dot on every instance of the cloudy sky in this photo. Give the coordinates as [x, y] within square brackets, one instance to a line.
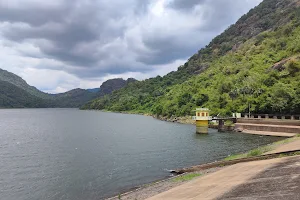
[59, 45]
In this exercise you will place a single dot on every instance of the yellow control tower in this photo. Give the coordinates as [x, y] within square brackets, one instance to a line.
[202, 117]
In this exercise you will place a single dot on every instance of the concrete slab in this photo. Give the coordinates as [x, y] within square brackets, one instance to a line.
[281, 181]
[270, 125]
[216, 185]
[268, 128]
[277, 134]
[292, 146]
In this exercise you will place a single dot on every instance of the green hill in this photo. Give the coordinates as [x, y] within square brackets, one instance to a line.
[20, 83]
[12, 96]
[256, 62]
[16, 93]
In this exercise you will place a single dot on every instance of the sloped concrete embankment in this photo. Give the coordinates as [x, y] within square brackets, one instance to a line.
[273, 177]
[268, 179]
[272, 127]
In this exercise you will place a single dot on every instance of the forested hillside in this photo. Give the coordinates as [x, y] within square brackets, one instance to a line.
[256, 62]
[12, 96]
[20, 83]
[16, 93]
[111, 85]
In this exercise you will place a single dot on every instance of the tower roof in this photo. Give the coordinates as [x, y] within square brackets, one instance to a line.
[202, 109]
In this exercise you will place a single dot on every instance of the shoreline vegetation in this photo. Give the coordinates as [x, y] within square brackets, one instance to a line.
[152, 189]
[181, 120]
[174, 119]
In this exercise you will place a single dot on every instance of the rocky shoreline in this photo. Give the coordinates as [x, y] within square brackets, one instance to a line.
[152, 189]
[174, 119]
[189, 120]
[181, 120]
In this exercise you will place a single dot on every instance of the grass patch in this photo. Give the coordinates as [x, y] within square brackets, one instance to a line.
[286, 141]
[255, 152]
[259, 151]
[296, 154]
[186, 177]
[234, 157]
[229, 123]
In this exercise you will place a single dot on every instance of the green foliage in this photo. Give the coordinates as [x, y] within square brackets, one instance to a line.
[186, 177]
[234, 157]
[224, 79]
[229, 123]
[261, 150]
[255, 152]
[293, 66]
[30, 97]
[15, 93]
[12, 96]
[280, 97]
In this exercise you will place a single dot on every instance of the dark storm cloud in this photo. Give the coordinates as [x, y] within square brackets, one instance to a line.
[63, 40]
[92, 38]
[166, 49]
[217, 15]
[66, 29]
[35, 15]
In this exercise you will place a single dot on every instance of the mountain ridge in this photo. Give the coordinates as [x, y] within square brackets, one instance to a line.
[232, 72]
[16, 93]
[12, 96]
[19, 82]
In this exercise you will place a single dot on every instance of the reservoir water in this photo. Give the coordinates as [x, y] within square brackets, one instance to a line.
[68, 154]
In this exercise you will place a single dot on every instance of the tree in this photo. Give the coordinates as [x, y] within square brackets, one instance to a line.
[293, 66]
[281, 96]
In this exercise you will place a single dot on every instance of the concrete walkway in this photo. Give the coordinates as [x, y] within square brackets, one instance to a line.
[277, 134]
[270, 125]
[281, 181]
[267, 179]
[223, 184]
[292, 146]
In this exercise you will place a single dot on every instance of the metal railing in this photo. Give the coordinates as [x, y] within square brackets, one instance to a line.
[209, 118]
[271, 116]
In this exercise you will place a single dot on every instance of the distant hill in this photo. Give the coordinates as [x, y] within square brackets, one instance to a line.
[32, 97]
[111, 85]
[107, 88]
[254, 62]
[16, 93]
[12, 96]
[20, 83]
[73, 98]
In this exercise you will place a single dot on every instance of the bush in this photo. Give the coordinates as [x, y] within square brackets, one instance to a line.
[293, 66]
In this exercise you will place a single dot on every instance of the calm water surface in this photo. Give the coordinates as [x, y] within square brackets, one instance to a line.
[68, 154]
